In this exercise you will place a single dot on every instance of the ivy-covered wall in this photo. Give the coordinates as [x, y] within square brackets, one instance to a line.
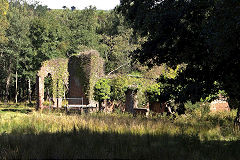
[58, 69]
[84, 70]
[80, 71]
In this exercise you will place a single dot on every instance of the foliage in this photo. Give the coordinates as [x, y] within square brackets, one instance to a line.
[153, 92]
[117, 41]
[16, 53]
[47, 39]
[3, 20]
[102, 90]
[118, 87]
[37, 34]
[121, 83]
[165, 90]
[214, 96]
[189, 32]
[197, 109]
[81, 29]
[58, 70]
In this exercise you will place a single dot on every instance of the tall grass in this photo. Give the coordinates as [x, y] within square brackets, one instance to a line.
[39, 135]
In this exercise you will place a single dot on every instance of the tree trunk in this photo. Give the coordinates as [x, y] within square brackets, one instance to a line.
[16, 94]
[169, 108]
[8, 83]
[29, 91]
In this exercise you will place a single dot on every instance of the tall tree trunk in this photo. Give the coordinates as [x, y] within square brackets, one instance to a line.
[29, 91]
[9, 75]
[16, 94]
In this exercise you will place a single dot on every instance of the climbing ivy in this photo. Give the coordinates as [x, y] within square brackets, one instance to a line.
[88, 67]
[58, 69]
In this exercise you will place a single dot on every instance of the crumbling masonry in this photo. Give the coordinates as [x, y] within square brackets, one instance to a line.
[81, 72]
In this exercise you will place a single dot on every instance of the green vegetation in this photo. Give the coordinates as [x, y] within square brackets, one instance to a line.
[57, 135]
[31, 34]
[180, 53]
[199, 34]
[114, 89]
[3, 20]
[102, 90]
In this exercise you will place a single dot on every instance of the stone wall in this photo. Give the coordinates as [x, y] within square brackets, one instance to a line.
[57, 68]
[131, 100]
[219, 106]
[81, 72]
[157, 107]
[84, 70]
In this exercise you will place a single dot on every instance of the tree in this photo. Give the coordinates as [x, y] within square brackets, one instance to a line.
[3, 19]
[17, 51]
[73, 8]
[18, 57]
[224, 44]
[3, 40]
[204, 35]
[81, 29]
[117, 41]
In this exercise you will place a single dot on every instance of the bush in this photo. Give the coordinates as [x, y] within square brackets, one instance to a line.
[115, 88]
[118, 87]
[153, 92]
[102, 90]
[198, 109]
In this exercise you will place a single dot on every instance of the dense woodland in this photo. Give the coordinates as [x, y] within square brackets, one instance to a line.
[31, 34]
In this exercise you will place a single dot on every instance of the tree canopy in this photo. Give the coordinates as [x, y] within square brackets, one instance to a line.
[203, 35]
[3, 19]
[31, 34]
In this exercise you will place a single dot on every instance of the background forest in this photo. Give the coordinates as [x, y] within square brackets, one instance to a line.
[31, 34]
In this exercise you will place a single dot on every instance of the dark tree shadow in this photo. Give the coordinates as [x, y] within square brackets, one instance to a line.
[17, 110]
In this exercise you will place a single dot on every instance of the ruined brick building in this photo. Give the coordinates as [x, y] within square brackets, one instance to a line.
[79, 72]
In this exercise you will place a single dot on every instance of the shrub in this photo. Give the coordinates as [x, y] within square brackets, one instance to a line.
[118, 87]
[153, 92]
[198, 109]
[102, 90]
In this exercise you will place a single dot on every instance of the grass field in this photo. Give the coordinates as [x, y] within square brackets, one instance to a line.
[26, 134]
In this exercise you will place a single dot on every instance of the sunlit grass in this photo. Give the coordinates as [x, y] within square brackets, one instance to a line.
[116, 135]
[220, 124]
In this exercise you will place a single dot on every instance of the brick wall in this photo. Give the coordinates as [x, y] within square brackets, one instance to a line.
[219, 106]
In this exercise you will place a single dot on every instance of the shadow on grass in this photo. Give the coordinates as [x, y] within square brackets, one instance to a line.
[85, 144]
[17, 110]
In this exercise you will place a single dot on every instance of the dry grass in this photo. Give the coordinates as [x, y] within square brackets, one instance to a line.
[38, 135]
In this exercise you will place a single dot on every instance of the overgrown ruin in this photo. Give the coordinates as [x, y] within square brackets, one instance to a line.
[79, 72]
[78, 75]
[219, 105]
[57, 68]
[84, 69]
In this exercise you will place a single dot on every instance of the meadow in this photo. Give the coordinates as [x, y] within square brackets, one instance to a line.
[27, 134]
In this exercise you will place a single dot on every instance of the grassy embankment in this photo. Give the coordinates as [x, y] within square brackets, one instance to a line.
[35, 135]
